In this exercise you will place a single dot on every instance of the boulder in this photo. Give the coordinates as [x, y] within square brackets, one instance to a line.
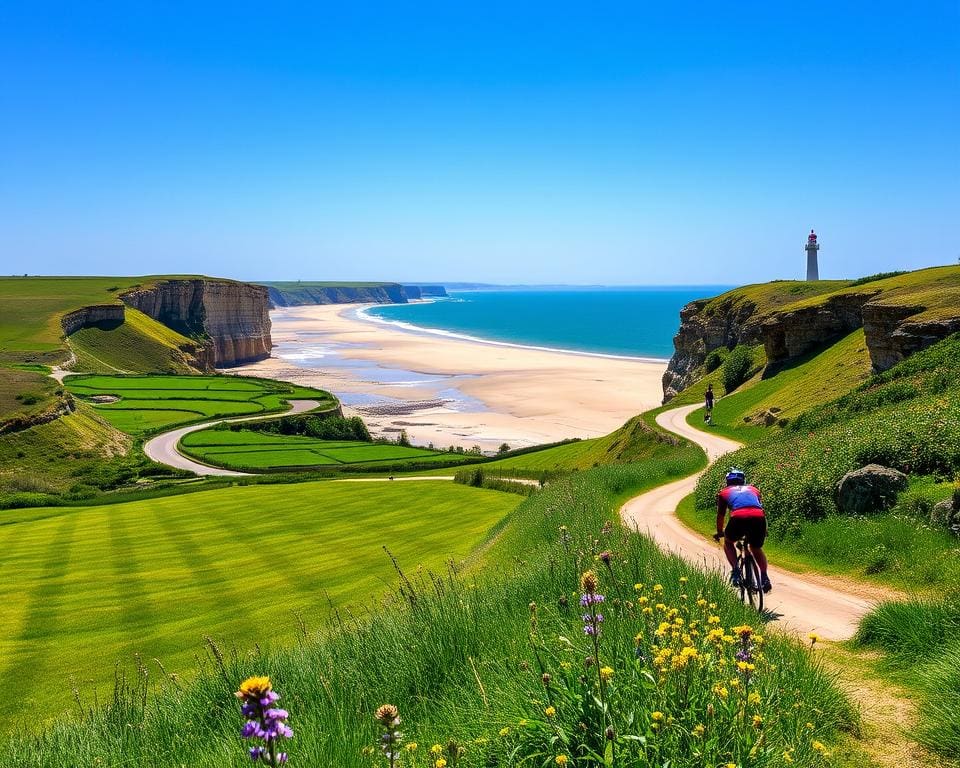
[945, 515]
[872, 488]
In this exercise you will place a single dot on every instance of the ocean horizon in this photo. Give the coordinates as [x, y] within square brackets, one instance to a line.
[635, 322]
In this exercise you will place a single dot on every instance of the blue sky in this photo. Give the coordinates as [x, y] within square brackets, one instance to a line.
[668, 143]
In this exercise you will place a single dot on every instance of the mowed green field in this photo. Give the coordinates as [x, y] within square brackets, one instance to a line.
[246, 449]
[85, 587]
[150, 403]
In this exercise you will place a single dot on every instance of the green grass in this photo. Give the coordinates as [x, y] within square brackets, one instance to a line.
[457, 656]
[31, 308]
[784, 391]
[152, 403]
[86, 587]
[25, 394]
[921, 640]
[140, 344]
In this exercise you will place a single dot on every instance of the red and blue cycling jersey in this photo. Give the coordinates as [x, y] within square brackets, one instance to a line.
[741, 500]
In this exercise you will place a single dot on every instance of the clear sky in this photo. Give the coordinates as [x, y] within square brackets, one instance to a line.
[621, 143]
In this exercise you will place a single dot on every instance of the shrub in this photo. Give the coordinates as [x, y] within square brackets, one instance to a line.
[715, 359]
[736, 367]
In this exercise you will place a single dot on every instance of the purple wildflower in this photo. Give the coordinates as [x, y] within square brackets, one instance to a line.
[264, 722]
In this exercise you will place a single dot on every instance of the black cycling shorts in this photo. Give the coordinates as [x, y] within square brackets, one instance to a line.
[753, 528]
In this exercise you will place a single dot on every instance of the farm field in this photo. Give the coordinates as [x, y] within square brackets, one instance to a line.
[247, 449]
[88, 587]
[150, 403]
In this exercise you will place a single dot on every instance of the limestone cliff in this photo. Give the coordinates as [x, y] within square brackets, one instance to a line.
[303, 293]
[706, 325]
[900, 315]
[96, 315]
[231, 319]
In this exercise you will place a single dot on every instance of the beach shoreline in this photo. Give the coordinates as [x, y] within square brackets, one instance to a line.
[448, 390]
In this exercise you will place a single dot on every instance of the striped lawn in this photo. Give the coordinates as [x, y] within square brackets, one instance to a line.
[88, 587]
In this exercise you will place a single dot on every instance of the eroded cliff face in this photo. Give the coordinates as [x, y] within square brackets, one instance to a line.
[96, 315]
[300, 295]
[232, 320]
[791, 333]
[701, 332]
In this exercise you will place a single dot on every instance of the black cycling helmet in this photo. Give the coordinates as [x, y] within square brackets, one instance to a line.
[736, 477]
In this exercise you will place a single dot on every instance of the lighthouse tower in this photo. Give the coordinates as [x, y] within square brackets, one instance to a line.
[813, 273]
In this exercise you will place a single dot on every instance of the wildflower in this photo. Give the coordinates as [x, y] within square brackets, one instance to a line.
[754, 698]
[698, 730]
[713, 620]
[588, 582]
[550, 711]
[638, 638]
[656, 716]
[440, 763]
[701, 603]
[809, 726]
[638, 586]
[757, 721]
[264, 722]
[606, 674]
[504, 732]
[787, 757]
[411, 746]
[813, 637]
[605, 557]
[721, 691]
[436, 750]
[389, 718]
[731, 765]
[819, 746]
[546, 677]
[743, 631]
[658, 587]
[683, 579]
[560, 759]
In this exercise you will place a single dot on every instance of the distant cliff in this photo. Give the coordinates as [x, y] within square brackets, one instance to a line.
[295, 294]
[231, 319]
[900, 315]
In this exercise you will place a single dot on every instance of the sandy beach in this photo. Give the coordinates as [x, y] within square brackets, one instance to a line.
[451, 391]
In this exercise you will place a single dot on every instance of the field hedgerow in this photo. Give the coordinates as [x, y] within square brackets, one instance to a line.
[496, 669]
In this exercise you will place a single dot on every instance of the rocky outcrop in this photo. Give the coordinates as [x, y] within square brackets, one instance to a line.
[946, 515]
[704, 327]
[412, 292]
[792, 333]
[870, 489]
[300, 294]
[892, 336]
[230, 320]
[104, 316]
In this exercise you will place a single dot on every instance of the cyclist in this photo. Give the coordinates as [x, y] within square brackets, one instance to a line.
[747, 520]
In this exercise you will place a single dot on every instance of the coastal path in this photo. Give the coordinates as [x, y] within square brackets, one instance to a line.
[801, 603]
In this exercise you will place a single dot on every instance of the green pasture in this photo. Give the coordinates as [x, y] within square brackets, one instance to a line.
[31, 308]
[250, 450]
[87, 587]
[150, 403]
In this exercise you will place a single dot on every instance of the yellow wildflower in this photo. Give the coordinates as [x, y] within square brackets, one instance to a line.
[754, 698]
[411, 746]
[787, 757]
[809, 726]
[813, 637]
[683, 579]
[643, 600]
[588, 582]
[658, 588]
[648, 610]
[731, 765]
[656, 716]
[713, 620]
[744, 630]
[820, 747]
[638, 586]
[638, 638]
[701, 603]
[698, 730]
[254, 687]
[560, 759]
[660, 607]
[440, 763]
[606, 673]
[565, 665]
[550, 711]
[436, 750]
[721, 691]
[504, 731]
[757, 721]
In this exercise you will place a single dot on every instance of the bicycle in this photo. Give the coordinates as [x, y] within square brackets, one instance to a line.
[751, 591]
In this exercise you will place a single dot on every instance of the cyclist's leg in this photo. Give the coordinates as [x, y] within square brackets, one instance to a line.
[756, 536]
[761, 559]
[731, 535]
[730, 550]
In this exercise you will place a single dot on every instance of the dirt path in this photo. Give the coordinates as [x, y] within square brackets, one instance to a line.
[163, 447]
[801, 603]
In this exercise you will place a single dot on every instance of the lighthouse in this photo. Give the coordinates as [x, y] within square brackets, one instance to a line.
[813, 273]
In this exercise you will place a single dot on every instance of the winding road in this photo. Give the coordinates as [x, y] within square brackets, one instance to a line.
[801, 603]
[163, 447]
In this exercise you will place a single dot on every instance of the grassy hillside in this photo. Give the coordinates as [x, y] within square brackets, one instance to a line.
[765, 298]
[138, 345]
[87, 587]
[26, 393]
[464, 660]
[31, 308]
[146, 404]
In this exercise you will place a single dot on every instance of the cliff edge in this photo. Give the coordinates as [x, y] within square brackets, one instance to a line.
[900, 315]
[231, 319]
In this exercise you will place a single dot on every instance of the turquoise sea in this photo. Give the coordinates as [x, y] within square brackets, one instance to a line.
[635, 322]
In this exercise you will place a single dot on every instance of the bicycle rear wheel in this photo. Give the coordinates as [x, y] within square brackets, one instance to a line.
[750, 580]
